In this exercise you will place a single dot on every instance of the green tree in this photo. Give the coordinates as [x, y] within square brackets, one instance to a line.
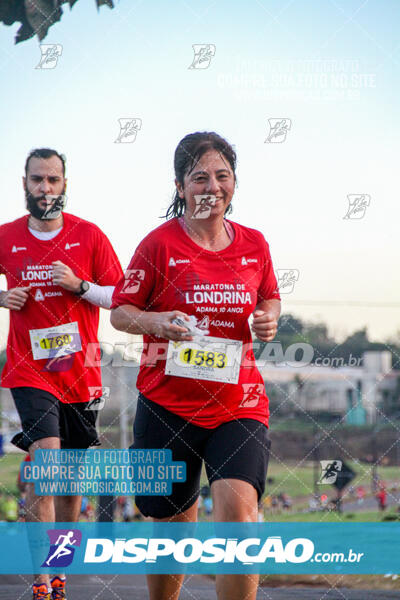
[317, 333]
[36, 17]
[289, 325]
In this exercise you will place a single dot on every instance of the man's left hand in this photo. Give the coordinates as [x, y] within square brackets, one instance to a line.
[265, 325]
[65, 277]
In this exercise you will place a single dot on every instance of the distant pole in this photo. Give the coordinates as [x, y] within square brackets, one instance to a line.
[316, 460]
[123, 421]
[339, 500]
[398, 445]
[374, 470]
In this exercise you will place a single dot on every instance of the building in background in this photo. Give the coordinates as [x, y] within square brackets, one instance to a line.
[361, 394]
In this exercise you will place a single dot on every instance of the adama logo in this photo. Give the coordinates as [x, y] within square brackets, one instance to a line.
[246, 261]
[173, 262]
[69, 246]
[62, 547]
[204, 323]
[39, 295]
[18, 249]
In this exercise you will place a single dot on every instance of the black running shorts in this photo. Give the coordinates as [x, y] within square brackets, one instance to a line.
[43, 415]
[235, 450]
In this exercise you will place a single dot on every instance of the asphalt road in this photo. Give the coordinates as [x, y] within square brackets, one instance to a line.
[196, 587]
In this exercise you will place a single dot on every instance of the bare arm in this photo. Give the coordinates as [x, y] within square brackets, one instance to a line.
[99, 295]
[131, 319]
[265, 323]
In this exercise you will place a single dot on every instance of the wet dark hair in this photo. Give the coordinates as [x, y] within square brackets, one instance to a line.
[44, 153]
[188, 152]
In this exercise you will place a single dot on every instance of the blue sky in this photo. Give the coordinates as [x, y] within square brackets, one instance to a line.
[331, 67]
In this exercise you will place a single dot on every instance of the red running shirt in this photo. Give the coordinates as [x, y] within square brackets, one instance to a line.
[26, 260]
[169, 271]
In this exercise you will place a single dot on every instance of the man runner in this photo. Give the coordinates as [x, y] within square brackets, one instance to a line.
[59, 270]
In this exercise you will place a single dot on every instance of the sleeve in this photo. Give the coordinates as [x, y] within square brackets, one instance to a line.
[106, 266]
[268, 289]
[3, 268]
[136, 285]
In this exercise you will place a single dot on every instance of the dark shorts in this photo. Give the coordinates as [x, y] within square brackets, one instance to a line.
[235, 450]
[43, 415]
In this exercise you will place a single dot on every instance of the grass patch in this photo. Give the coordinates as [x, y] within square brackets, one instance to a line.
[9, 466]
[329, 517]
[297, 480]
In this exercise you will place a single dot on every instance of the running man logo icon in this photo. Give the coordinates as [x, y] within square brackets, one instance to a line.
[251, 394]
[62, 547]
[128, 129]
[55, 206]
[357, 206]
[133, 279]
[278, 129]
[98, 397]
[204, 204]
[286, 280]
[203, 54]
[50, 54]
[329, 471]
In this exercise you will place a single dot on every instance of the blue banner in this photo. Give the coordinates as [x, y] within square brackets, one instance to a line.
[147, 547]
[103, 472]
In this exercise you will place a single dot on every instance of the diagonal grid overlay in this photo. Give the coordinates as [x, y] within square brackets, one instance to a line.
[290, 398]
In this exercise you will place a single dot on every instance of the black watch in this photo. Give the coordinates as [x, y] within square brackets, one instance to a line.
[83, 289]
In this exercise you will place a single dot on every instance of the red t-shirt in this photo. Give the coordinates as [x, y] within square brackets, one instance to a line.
[26, 260]
[169, 271]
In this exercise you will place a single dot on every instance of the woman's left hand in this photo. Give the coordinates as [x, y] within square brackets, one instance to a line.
[265, 325]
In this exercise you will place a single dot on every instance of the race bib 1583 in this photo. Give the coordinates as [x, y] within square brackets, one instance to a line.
[208, 358]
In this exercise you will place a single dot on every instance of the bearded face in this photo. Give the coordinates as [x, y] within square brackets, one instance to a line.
[45, 207]
[45, 186]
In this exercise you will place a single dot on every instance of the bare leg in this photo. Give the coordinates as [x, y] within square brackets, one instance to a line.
[235, 501]
[168, 587]
[68, 508]
[40, 508]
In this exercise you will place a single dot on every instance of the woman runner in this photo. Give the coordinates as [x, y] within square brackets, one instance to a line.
[206, 401]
